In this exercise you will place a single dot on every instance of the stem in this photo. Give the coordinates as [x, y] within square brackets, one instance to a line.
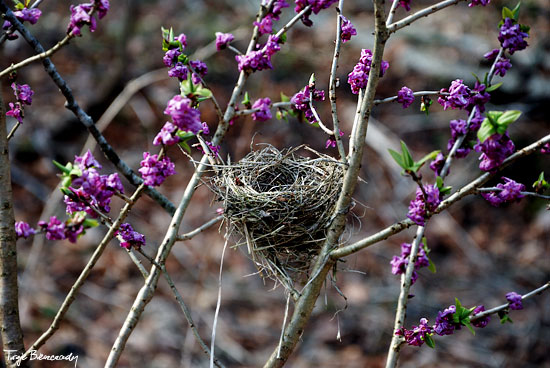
[393, 9]
[420, 14]
[306, 302]
[200, 229]
[13, 130]
[419, 93]
[332, 83]
[11, 332]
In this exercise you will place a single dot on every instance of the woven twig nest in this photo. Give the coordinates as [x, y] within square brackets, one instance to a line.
[279, 204]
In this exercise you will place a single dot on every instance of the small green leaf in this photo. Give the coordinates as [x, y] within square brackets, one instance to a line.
[467, 323]
[312, 79]
[493, 87]
[507, 118]
[65, 190]
[203, 92]
[431, 266]
[476, 77]
[430, 156]
[439, 182]
[282, 39]
[524, 28]
[88, 223]
[515, 11]
[397, 157]
[284, 98]
[507, 13]
[429, 341]
[425, 104]
[486, 130]
[185, 146]
[504, 317]
[65, 169]
[407, 157]
[246, 99]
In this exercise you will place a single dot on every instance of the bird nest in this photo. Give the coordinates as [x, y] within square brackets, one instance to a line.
[279, 204]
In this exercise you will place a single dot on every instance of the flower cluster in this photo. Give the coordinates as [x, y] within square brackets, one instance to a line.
[30, 15]
[399, 263]
[437, 164]
[511, 191]
[23, 94]
[23, 229]
[515, 300]
[405, 4]
[460, 96]
[259, 59]
[130, 238]
[418, 334]
[184, 116]
[91, 188]
[480, 322]
[199, 70]
[347, 29]
[316, 7]
[405, 96]
[419, 207]
[331, 141]
[545, 149]
[479, 2]
[494, 150]
[265, 26]
[173, 58]
[359, 76]
[82, 15]
[264, 113]
[301, 101]
[154, 170]
[223, 39]
[511, 37]
[57, 230]
[167, 135]
[444, 324]
[502, 65]
[459, 128]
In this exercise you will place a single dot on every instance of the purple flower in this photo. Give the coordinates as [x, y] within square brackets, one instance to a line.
[171, 57]
[331, 141]
[74, 227]
[264, 105]
[200, 69]
[130, 238]
[417, 335]
[155, 171]
[183, 115]
[278, 6]
[479, 2]
[347, 29]
[437, 164]
[79, 18]
[265, 25]
[23, 229]
[502, 66]
[182, 39]
[417, 208]
[316, 7]
[494, 150]
[301, 100]
[26, 14]
[515, 300]
[458, 98]
[511, 37]
[179, 70]
[259, 59]
[86, 161]
[405, 4]
[55, 229]
[167, 135]
[213, 148]
[479, 97]
[205, 128]
[491, 55]
[359, 76]
[545, 149]
[16, 112]
[483, 321]
[405, 96]
[23, 93]
[399, 263]
[223, 39]
[102, 7]
[444, 324]
[458, 128]
[511, 191]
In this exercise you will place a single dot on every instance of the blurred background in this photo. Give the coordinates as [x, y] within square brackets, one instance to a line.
[481, 252]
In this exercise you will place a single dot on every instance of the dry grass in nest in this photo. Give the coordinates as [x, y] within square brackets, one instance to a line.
[280, 204]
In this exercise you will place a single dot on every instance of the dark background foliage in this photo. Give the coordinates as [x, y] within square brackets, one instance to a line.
[481, 252]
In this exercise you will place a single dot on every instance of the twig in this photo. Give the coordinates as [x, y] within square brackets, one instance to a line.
[406, 281]
[292, 21]
[502, 307]
[316, 115]
[332, 83]
[284, 324]
[468, 189]
[420, 14]
[200, 229]
[84, 118]
[71, 296]
[218, 304]
[138, 263]
[273, 105]
[419, 93]
[530, 194]
[13, 130]
[393, 9]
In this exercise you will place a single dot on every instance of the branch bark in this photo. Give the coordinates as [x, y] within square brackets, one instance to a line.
[12, 334]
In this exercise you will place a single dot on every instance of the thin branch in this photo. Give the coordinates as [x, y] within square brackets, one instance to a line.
[200, 229]
[527, 194]
[468, 189]
[420, 14]
[71, 296]
[275, 105]
[332, 83]
[316, 115]
[218, 305]
[393, 9]
[406, 282]
[13, 130]
[419, 93]
[84, 118]
[502, 307]
[291, 22]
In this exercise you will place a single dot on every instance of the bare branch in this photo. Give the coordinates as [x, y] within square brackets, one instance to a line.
[200, 229]
[420, 14]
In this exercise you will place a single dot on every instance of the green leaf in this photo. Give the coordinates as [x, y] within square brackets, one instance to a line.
[88, 223]
[65, 190]
[524, 28]
[429, 341]
[246, 99]
[203, 92]
[507, 118]
[493, 87]
[507, 13]
[486, 130]
[284, 98]
[504, 317]
[185, 146]
[407, 157]
[515, 11]
[184, 136]
[430, 156]
[476, 77]
[65, 169]
[431, 266]
[397, 157]
[282, 39]
[425, 105]
[469, 326]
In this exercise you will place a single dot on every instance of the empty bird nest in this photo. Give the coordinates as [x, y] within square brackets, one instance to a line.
[279, 204]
